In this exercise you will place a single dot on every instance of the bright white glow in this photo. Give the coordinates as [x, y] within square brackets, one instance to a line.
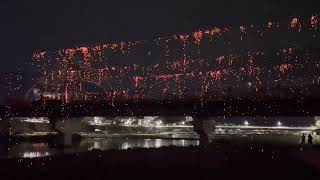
[189, 119]
[158, 143]
[127, 122]
[97, 120]
[159, 123]
[183, 123]
[279, 123]
[36, 120]
[96, 145]
[246, 123]
[318, 123]
[35, 154]
[183, 142]
[125, 145]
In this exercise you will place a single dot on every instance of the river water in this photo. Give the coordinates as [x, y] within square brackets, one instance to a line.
[37, 149]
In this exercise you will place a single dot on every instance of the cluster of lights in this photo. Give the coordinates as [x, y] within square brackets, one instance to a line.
[184, 71]
[36, 120]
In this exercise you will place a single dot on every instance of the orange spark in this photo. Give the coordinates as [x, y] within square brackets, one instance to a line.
[122, 45]
[184, 38]
[242, 29]
[314, 22]
[214, 32]
[97, 50]
[219, 59]
[284, 67]
[114, 46]
[197, 36]
[39, 56]
[86, 54]
[137, 79]
[295, 23]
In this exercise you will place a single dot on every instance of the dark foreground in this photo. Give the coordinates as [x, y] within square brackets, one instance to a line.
[217, 161]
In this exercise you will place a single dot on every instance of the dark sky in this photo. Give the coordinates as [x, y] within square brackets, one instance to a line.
[31, 25]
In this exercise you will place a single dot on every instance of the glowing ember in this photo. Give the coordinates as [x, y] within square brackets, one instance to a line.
[314, 22]
[197, 36]
[175, 63]
[242, 29]
[295, 23]
[184, 38]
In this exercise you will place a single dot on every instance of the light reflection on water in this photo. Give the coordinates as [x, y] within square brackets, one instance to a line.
[29, 150]
[35, 150]
[105, 144]
[35, 154]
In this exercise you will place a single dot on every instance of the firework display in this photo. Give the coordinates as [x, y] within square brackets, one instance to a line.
[255, 61]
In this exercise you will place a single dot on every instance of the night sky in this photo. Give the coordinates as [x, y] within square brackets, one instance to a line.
[29, 26]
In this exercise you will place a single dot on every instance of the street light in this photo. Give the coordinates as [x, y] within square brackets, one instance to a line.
[279, 123]
[246, 123]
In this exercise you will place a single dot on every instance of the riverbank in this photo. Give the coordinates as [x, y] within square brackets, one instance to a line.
[228, 161]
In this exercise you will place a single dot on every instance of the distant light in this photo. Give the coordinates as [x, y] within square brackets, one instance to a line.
[36, 120]
[189, 119]
[35, 154]
[183, 123]
[97, 120]
[159, 123]
[246, 123]
[279, 123]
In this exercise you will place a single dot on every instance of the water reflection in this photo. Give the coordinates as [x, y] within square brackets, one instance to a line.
[36, 150]
[35, 154]
[30, 150]
[105, 144]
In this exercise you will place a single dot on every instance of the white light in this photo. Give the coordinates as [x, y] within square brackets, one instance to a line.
[279, 123]
[125, 145]
[157, 143]
[37, 120]
[189, 119]
[97, 120]
[159, 123]
[35, 154]
[246, 123]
